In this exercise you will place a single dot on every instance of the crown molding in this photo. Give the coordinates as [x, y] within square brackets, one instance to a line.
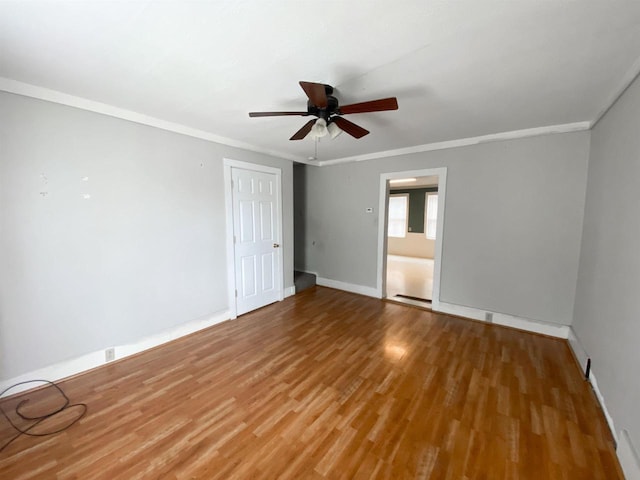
[625, 83]
[41, 93]
[465, 142]
[54, 96]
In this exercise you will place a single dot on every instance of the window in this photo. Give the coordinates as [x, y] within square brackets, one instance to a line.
[398, 213]
[431, 215]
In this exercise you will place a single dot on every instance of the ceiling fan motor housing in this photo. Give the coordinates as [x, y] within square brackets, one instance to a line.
[332, 108]
[322, 104]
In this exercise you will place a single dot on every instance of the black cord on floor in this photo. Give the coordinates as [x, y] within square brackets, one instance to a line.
[81, 407]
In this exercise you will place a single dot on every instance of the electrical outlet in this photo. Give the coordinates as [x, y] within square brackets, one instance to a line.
[488, 317]
[109, 354]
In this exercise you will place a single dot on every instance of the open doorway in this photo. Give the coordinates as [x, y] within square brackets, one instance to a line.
[410, 236]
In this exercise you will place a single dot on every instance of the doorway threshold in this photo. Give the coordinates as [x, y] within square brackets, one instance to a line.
[417, 302]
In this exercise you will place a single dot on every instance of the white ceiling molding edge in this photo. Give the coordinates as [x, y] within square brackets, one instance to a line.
[625, 83]
[41, 93]
[464, 142]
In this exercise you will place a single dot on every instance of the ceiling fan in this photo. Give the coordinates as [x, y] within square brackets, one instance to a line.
[325, 106]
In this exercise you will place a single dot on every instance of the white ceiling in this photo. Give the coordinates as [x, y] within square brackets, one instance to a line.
[420, 182]
[459, 68]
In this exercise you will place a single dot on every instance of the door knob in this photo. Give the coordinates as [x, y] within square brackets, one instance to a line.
[276, 245]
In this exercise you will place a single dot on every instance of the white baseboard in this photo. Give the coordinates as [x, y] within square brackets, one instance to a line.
[172, 334]
[535, 326]
[308, 271]
[581, 354]
[628, 456]
[603, 405]
[289, 291]
[91, 360]
[348, 287]
[578, 350]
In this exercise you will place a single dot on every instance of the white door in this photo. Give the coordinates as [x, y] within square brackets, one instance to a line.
[257, 252]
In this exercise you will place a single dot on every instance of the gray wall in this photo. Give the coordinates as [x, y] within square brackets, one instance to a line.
[300, 214]
[145, 253]
[607, 312]
[512, 224]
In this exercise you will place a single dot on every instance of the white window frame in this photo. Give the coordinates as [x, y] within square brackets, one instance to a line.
[406, 215]
[427, 217]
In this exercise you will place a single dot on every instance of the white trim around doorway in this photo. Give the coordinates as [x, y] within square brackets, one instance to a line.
[441, 173]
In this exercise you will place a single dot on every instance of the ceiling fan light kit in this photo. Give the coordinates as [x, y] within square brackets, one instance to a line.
[322, 104]
[334, 130]
[319, 128]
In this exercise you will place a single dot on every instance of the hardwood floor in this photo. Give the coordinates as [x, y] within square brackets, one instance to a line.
[409, 276]
[331, 385]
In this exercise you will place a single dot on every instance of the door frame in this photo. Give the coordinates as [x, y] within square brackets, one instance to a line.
[441, 173]
[228, 165]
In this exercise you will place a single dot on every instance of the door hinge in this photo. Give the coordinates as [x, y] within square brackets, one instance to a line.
[234, 239]
[236, 293]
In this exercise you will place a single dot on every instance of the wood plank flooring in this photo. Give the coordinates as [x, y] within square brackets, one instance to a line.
[331, 385]
[409, 276]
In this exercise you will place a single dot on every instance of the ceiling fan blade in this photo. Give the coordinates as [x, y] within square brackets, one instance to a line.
[316, 93]
[300, 134]
[390, 103]
[276, 114]
[350, 127]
